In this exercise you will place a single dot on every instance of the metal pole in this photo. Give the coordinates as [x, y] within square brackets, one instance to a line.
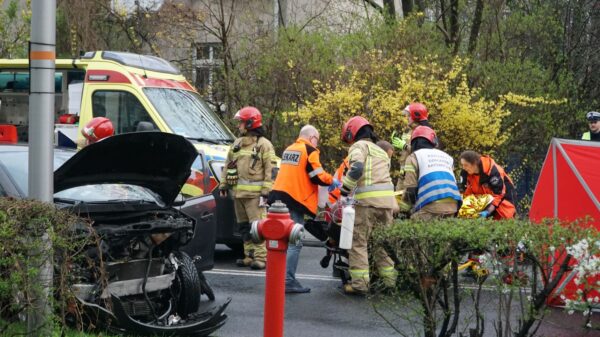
[42, 57]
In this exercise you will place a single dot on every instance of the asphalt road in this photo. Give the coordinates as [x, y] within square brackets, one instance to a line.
[325, 311]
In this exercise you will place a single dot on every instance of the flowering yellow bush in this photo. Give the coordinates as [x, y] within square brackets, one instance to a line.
[380, 87]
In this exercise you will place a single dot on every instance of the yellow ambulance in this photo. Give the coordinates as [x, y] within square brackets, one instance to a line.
[137, 93]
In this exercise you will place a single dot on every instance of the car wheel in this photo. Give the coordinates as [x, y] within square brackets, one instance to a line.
[187, 286]
[205, 287]
[237, 248]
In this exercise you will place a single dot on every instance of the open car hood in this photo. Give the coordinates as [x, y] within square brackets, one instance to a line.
[158, 161]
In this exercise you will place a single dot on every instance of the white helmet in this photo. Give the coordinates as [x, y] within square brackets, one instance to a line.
[593, 116]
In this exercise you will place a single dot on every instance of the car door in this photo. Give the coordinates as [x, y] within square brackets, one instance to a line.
[202, 209]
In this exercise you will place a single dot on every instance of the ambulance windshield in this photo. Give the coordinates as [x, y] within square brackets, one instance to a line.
[188, 115]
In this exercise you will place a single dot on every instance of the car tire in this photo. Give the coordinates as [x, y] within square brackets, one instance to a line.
[187, 286]
[238, 248]
[205, 287]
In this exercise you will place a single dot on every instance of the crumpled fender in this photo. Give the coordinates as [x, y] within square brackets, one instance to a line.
[199, 324]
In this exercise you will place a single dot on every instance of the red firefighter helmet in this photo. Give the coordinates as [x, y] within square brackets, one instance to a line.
[97, 129]
[416, 112]
[424, 132]
[351, 128]
[251, 116]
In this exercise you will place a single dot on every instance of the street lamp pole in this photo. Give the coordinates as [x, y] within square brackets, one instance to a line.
[42, 57]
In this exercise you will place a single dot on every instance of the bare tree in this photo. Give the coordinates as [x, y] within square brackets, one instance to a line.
[407, 7]
[475, 26]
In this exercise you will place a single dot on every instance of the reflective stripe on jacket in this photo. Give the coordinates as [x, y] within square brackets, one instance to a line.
[374, 188]
[254, 159]
[299, 176]
[587, 136]
[436, 177]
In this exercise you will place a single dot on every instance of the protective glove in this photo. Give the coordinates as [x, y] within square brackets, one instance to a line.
[232, 177]
[398, 142]
[263, 201]
[484, 214]
[334, 185]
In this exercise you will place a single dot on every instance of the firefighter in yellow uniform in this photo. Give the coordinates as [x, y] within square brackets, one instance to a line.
[369, 178]
[430, 186]
[417, 115]
[248, 173]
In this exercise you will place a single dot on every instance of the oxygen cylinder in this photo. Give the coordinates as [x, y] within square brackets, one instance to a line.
[348, 215]
[323, 196]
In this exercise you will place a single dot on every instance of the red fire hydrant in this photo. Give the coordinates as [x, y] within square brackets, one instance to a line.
[277, 230]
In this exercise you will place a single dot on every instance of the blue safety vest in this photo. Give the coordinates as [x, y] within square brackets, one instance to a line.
[436, 178]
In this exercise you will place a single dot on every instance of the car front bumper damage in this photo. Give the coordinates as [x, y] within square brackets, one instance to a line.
[207, 320]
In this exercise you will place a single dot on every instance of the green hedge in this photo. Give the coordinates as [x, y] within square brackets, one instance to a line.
[521, 257]
[23, 226]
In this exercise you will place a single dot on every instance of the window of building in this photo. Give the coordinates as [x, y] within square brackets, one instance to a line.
[208, 60]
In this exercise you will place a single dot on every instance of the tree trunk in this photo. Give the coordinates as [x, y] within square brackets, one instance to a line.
[475, 26]
[407, 7]
[454, 27]
[444, 19]
[389, 11]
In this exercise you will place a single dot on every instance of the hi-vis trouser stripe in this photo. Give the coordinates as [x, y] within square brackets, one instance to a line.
[374, 191]
[388, 275]
[360, 274]
[389, 271]
[250, 186]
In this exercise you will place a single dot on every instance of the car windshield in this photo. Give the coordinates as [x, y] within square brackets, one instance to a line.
[188, 115]
[16, 164]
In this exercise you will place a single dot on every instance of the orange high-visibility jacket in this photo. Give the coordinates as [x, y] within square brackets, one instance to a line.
[493, 180]
[299, 175]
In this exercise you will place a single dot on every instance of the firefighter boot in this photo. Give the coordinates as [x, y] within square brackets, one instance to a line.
[260, 256]
[248, 255]
[349, 290]
[258, 265]
[245, 262]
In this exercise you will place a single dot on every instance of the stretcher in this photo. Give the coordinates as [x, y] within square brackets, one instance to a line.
[328, 231]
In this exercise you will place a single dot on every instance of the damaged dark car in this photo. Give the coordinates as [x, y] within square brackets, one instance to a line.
[128, 186]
